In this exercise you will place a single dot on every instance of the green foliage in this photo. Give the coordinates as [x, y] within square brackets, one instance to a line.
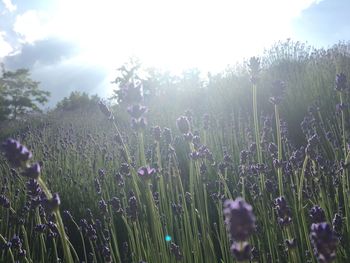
[78, 100]
[129, 72]
[19, 94]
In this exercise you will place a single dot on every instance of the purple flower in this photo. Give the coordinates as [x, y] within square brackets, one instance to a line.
[16, 153]
[241, 251]
[337, 223]
[106, 253]
[283, 211]
[33, 188]
[340, 107]
[317, 214]
[324, 242]
[138, 124]
[273, 150]
[239, 219]
[53, 203]
[131, 92]
[175, 250]
[103, 206]
[278, 91]
[340, 82]
[116, 205]
[67, 215]
[167, 135]
[157, 133]
[105, 110]
[124, 169]
[4, 201]
[206, 121]
[291, 243]
[146, 172]
[22, 253]
[254, 68]
[131, 210]
[16, 242]
[33, 171]
[195, 155]
[183, 124]
[188, 136]
[243, 157]
[136, 110]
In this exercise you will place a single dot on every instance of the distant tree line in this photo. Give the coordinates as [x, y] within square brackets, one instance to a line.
[78, 100]
[20, 95]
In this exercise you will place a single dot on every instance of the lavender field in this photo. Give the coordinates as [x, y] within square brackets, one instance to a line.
[248, 165]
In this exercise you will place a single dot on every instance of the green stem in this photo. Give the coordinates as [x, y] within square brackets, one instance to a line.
[345, 179]
[142, 149]
[343, 125]
[26, 244]
[301, 181]
[122, 142]
[66, 250]
[82, 238]
[10, 251]
[55, 250]
[279, 145]
[257, 136]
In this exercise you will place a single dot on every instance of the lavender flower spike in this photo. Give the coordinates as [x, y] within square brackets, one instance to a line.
[340, 82]
[183, 124]
[324, 242]
[105, 110]
[136, 111]
[239, 219]
[17, 154]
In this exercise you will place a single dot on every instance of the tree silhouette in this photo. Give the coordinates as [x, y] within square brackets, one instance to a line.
[19, 94]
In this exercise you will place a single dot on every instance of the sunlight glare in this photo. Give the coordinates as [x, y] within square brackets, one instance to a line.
[175, 34]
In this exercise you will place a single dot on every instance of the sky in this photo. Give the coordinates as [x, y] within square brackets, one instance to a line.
[78, 44]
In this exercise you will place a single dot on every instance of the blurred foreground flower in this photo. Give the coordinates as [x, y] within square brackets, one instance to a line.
[240, 224]
[17, 154]
[136, 111]
[239, 219]
[32, 171]
[324, 242]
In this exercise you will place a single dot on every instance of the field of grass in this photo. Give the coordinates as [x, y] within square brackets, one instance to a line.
[249, 165]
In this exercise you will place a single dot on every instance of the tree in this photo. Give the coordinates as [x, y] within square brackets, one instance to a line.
[128, 75]
[19, 94]
[78, 100]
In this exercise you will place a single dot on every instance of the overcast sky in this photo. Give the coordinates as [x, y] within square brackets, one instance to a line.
[78, 44]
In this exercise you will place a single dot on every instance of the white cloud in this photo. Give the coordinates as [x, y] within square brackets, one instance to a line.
[5, 47]
[32, 25]
[9, 5]
[165, 33]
